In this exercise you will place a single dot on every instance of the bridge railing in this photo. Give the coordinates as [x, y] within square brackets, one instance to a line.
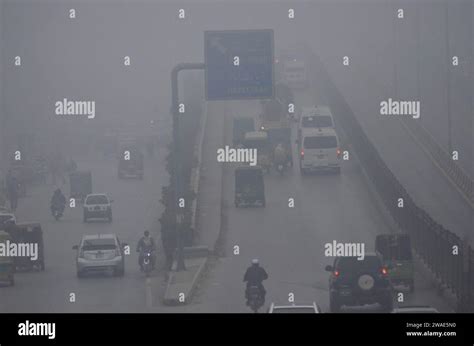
[442, 251]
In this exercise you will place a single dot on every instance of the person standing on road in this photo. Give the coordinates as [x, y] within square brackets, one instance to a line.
[168, 238]
[12, 190]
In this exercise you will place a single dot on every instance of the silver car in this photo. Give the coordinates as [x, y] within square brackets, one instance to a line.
[100, 253]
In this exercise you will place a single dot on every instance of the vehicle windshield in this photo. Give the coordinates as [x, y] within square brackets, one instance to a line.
[320, 142]
[398, 249]
[295, 69]
[98, 244]
[5, 217]
[295, 310]
[317, 121]
[353, 265]
[97, 199]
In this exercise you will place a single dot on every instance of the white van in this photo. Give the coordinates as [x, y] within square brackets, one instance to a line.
[316, 117]
[319, 150]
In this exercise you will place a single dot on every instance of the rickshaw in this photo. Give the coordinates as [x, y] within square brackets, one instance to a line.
[240, 126]
[7, 266]
[396, 253]
[259, 140]
[80, 183]
[249, 186]
[29, 233]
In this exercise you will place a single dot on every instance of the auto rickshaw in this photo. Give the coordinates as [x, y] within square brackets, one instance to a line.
[80, 183]
[28, 233]
[249, 186]
[396, 253]
[7, 266]
[259, 140]
[240, 126]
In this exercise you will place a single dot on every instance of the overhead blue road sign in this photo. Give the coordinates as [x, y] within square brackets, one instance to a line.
[239, 64]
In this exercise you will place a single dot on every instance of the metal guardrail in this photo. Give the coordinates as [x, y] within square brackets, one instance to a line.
[435, 245]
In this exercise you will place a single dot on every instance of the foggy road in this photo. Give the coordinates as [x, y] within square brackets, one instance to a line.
[289, 242]
[135, 208]
[85, 59]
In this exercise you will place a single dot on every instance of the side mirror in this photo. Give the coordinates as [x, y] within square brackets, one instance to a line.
[75, 247]
[328, 268]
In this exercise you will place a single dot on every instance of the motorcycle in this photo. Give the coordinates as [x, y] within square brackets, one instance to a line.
[57, 211]
[254, 298]
[147, 263]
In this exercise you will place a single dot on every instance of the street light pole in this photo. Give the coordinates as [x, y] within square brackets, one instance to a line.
[176, 157]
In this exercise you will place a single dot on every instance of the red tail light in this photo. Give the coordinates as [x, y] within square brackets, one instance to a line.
[336, 273]
[338, 152]
[302, 153]
[384, 271]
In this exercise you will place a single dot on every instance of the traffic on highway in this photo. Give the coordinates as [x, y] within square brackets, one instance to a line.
[236, 157]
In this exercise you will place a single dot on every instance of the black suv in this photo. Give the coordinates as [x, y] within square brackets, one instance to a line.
[359, 282]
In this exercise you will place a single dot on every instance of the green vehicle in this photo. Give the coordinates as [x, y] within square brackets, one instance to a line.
[396, 253]
[249, 186]
[7, 266]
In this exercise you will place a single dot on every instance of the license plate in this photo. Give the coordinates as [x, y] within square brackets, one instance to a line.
[345, 292]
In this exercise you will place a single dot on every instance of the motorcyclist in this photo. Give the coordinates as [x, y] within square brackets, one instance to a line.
[146, 244]
[58, 201]
[254, 277]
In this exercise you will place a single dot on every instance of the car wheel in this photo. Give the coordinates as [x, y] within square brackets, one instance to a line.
[334, 305]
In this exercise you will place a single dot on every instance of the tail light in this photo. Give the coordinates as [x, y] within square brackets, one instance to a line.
[384, 271]
[338, 153]
[302, 153]
[336, 273]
